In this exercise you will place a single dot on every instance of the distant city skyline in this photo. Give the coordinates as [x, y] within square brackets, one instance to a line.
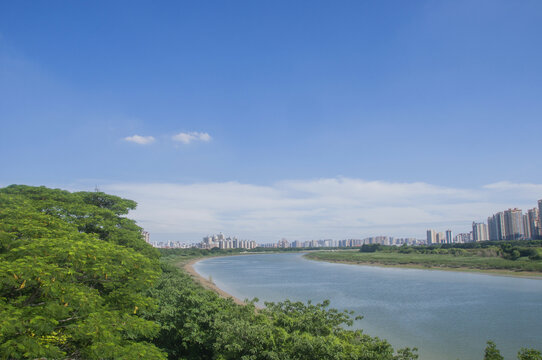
[326, 208]
[303, 120]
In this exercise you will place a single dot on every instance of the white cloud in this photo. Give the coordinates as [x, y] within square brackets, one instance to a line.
[314, 209]
[187, 138]
[141, 140]
[509, 186]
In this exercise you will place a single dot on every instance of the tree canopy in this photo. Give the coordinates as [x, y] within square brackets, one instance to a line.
[73, 276]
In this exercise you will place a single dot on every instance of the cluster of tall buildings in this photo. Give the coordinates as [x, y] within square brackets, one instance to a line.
[283, 243]
[463, 237]
[222, 242]
[434, 237]
[209, 242]
[511, 224]
[390, 240]
[447, 237]
[164, 244]
[173, 245]
[383, 240]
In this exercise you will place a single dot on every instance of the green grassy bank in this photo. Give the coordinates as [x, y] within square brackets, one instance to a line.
[469, 261]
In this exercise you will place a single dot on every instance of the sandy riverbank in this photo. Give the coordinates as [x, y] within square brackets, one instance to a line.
[208, 284]
[212, 286]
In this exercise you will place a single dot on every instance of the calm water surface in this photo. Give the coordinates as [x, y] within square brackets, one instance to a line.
[447, 315]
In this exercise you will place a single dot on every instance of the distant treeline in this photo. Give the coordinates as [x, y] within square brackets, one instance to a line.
[510, 250]
[217, 251]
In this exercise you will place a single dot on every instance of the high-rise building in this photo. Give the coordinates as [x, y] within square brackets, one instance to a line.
[479, 232]
[492, 229]
[440, 238]
[540, 217]
[463, 237]
[513, 219]
[534, 223]
[527, 232]
[449, 237]
[283, 243]
[146, 236]
[431, 237]
[497, 227]
[501, 226]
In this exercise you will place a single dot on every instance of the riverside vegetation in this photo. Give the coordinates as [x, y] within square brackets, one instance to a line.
[77, 281]
[514, 257]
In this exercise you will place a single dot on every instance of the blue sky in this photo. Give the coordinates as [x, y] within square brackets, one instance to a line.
[447, 94]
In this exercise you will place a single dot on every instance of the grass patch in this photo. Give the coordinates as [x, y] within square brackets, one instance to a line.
[447, 261]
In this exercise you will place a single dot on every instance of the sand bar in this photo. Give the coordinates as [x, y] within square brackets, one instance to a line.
[208, 284]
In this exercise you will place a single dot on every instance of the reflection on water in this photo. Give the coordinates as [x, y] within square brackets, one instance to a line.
[447, 315]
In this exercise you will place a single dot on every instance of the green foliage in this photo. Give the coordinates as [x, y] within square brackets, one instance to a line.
[314, 319]
[535, 254]
[73, 274]
[369, 248]
[198, 324]
[491, 352]
[529, 354]
[507, 255]
[514, 255]
[512, 250]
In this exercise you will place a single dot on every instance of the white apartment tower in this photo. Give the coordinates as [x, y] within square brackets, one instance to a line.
[479, 232]
[146, 236]
[431, 237]
[513, 219]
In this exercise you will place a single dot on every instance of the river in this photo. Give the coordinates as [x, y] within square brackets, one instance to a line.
[447, 315]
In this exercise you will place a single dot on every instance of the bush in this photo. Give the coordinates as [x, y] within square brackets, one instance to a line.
[370, 248]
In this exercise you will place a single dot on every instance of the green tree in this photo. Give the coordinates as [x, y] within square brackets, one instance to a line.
[198, 324]
[529, 354]
[73, 277]
[491, 352]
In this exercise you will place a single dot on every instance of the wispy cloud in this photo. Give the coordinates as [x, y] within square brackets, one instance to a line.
[188, 137]
[509, 186]
[141, 140]
[313, 209]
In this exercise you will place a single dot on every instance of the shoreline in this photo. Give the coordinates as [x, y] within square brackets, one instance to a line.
[496, 272]
[209, 285]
